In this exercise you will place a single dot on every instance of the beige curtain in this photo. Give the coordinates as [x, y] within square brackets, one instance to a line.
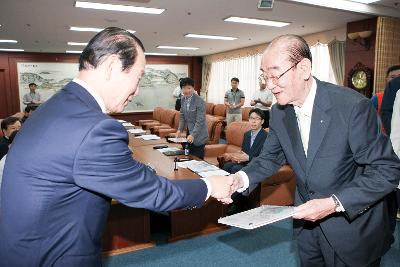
[206, 72]
[336, 54]
[387, 49]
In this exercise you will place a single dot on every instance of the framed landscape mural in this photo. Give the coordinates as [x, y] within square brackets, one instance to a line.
[156, 87]
[49, 77]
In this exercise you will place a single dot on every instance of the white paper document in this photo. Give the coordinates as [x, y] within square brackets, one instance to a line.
[147, 137]
[121, 121]
[211, 173]
[167, 149]
[136, 131]
[258, 217]
[127, 124]
[202, 166]
[184, 164]
[177, 139]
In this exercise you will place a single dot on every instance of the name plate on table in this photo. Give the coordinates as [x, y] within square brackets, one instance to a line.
[258, 217]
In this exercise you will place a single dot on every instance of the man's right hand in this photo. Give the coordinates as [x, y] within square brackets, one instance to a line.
[178, 134]
[224, 186]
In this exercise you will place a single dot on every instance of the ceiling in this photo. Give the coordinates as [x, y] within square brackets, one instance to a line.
[43, 25]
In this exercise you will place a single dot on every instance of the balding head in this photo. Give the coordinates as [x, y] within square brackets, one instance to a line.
[294, 46]
[286, 66]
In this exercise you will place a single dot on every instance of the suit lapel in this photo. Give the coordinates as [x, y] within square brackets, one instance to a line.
[293, 132]
[319, 122]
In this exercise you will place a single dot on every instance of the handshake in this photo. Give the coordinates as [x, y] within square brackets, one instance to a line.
[222, 187]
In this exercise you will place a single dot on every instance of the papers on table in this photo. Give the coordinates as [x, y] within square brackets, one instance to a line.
[121, 121]
[177, 139]
[258, 217]
[127, 124]
[211, 173]
[136, 131]
[202, 166]
[148, 137]
[167, 149]
[184, 164]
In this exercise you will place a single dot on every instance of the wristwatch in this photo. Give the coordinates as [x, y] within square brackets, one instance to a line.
[338, 206]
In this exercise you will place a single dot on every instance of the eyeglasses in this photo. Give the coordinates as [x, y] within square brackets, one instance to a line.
[275, 79]
[255, 118]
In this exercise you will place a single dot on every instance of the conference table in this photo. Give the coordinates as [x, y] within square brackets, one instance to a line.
[128, 229]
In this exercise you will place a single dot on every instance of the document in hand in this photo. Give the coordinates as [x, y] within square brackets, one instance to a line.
[258, 217]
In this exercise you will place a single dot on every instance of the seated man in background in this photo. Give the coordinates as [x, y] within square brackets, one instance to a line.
[8, 126]
[28, 112]
[252, 144]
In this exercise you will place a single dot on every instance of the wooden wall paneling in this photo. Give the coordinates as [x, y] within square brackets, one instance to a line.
[355, 52]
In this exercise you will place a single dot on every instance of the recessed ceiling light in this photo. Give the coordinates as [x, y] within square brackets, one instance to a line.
[177, 47]
[8, 41]
[11, 49]
[159, 54]
[85, 29]
[73, 52]
[257, 21]
[135, 9]
[364, 1]
[89, 29]
[214, 37]
[75, 43]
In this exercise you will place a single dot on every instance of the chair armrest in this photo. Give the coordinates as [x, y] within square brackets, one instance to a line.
[140, 122]
[214, 150]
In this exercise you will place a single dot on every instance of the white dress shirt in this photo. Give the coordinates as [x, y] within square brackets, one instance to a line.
[264, 95]
[93, 93]
[395, 132]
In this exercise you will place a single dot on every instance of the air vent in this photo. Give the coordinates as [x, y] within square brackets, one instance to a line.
[265, 3]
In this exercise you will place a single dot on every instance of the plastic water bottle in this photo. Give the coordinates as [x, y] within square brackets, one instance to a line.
[186, 149]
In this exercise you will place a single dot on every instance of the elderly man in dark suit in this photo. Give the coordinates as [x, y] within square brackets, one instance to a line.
[54, 208]
[345, 167]
[193, 118]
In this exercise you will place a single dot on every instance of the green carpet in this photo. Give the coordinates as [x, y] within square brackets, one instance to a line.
[267, 246]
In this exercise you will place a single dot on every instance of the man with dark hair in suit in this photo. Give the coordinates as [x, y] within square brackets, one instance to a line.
[54, 208]
[346, 170]
[387, 103]
[8, 126]
[253, 141]
[252, 144]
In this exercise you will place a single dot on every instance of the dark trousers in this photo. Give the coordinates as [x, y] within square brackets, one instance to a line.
[266, 120]
[178, 104]
[232, 167]
[315, 251]
[197, 151]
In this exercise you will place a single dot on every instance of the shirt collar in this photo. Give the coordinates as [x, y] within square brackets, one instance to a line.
[256, 132]
[307, 107]
[92, 92]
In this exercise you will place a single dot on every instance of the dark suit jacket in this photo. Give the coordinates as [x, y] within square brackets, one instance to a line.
[347, 156]
[56, 194]
[258, 144]
[4, 142]
[387, 103]
[194, 119]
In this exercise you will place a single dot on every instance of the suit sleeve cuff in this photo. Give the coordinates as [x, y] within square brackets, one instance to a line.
[209, 188]
[340, 207]
[245, 180]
